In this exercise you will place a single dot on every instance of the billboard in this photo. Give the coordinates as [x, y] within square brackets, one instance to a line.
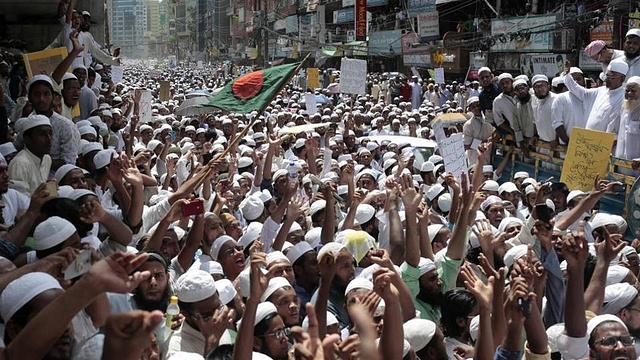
[523, 34]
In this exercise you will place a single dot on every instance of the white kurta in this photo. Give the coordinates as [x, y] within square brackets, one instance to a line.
[628, 144]
[568, 111]
[504, 108]
[604, 103]
[542, 116]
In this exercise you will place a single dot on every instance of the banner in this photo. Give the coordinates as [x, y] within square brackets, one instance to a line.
[551, 65]
[313, 79]
[528, 33]
[439, 72]
[145, 106]
[353, 76]
[165, 94]
[117, 73]
[429, 25]
[310, 104]
[634, 20]
[588, 154]
[361, 20]
[455, 158]
[604, 31]
[43, 62]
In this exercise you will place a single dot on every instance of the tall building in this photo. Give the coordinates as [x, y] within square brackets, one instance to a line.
[127, 25]
[157, 31]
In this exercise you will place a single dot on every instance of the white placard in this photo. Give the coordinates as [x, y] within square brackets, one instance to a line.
[353, 76]
[428, 24]
[439, 75]
[310, 100]
[415, 72]
[200, 64]
[455, 158]
[117, 73]
[145, 106]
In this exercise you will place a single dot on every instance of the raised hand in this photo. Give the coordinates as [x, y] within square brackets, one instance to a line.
[111, 274]
[609, 247]
[92, 212]
[259, 280]
[308, 345]
[482, 292]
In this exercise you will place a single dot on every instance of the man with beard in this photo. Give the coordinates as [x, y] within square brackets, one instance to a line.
[568, 110]
[151, 294]
[541, 105]
[489, 91]
[475, 131]
[599, 51]
[307, 273]
[628, 140]
[92, 51]
[88, 99]
[504, 105]
[604, 101]
[523, 124]
[631, 49]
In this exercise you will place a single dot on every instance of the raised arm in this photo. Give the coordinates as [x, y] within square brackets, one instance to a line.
[190, 247]
[607, 249]
[458, 243]
[576, 251]
[66, 63]
[411, 200]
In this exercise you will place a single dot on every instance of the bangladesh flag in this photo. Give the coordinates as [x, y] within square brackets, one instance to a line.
[252, 91]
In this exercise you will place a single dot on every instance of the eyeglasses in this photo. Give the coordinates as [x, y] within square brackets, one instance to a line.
[626, 340]
[230, 251]
[279, 334]
[608, 76]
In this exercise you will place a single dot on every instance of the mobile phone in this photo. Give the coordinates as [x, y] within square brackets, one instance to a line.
[195, 207]
[174, 134]
[80, 265]
[542, 212]
[52, 189]
[619, 188]
[525, 306]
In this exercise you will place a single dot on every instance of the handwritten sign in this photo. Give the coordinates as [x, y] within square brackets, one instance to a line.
[587, 155]
[452, 151]
[353, 75]
[44, 62]
[117, 73]
[312, 107]
[145, 106]
[313, 79]
[165, 93]
[439, 75]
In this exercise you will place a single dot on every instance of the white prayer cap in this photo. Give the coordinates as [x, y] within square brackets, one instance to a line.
[508, 187]
[153, 144]
[317, 206]
[244, 283]
[313, 236]
[553, 333]
[194, 286]
[601, 219]
[575, 70]
[597, 320]
[250, 233]
[505, 76]
[212, 267]
[444, 202]
[364, 213]
[490, 185]
[435, 159]
[103, 158]
[51, 232]
[84, 130]
[520, 174]
[433, 230]
[634, 79]
[473, 99]
[617, 297]
[182, 355]
[633, 32]
[358, 283]
[539, 77]
[620, 222]
[94, 120]
[145, 127]
[30, 122]
[514, 254]
[68, 76]
[244, 162]
[427, 166]
[278, 174]
[217, 244]
[550, 204]
[226, 291]
[509, 220]
[190, 128]
[92, 146]
[63, 171]
[626, 251]
[332, 248]
[252, 207]
[619, 66]
[482, 69]
[64, 191]
[298, 251]
[518, 82]
[529, 189]
[616, 273]
[425, 265]
[186, 147]
[22, 290]
[107, 112]
[574, 193]
[275, 256]
[264, 309]
[419, 332]
[434, 191]
[7, 149]
[331, 320]
[275, 284]
[39, 78]
[294, 227]
[490, 200]
[556, 81]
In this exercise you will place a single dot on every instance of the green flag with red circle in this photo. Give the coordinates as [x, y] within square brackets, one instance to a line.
[250, 92]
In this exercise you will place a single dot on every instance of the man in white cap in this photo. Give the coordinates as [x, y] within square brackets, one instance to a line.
[541, 105]
[201, 306]
[568, 110]
[523, 124]
[426, 339]
[604, 101]
[88, 99]
[416, 92]
[489, 92]
[31, 166]
[504, 105]
[631, 48]
[475, 131]
[628, 140]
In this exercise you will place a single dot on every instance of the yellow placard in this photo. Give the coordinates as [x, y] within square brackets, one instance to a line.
[44, 62]
[313, 80]
[165, 94]
[588, 154]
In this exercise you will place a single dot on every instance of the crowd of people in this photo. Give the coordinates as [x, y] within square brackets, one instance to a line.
[131, 229]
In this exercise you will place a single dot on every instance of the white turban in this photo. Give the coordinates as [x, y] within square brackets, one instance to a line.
[617, 297]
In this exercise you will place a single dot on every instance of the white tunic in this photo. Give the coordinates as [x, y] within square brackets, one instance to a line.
[504, 108]
[605, 104]
[628, 144]
[568, 111]
[542, 116]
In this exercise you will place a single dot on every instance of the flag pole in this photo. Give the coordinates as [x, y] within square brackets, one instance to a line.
[244, 131]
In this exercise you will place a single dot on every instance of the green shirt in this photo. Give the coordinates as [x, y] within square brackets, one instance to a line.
[447, 272]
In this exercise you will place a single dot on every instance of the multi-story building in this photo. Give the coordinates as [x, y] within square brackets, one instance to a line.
[127, 25]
